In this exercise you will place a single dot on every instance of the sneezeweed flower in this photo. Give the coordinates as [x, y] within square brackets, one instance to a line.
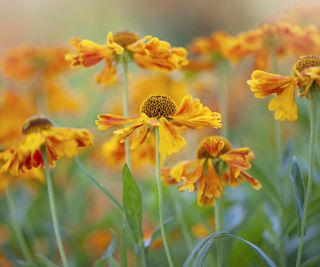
[217, 165]
[39, 68]
[161, 111]
[40, 134]
[277, 39]
[147, 52]
[305, 77]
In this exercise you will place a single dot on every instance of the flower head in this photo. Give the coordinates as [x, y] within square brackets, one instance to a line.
[217, 165]
[162, 112]
[147, 52]
[40, 135]
[305, 75]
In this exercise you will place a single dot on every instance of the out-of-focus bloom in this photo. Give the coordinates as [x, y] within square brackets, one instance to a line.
[279, 39]
[12, 117]
[217, 45]
[217, 165]
[98, 241]
[39, 69]
[305, 74]
[24, 63]
[147, 52]
[38, 134]
[4, 261]
[199, 231]
[161, 111]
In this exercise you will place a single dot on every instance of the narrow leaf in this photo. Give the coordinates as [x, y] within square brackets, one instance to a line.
[132, 203]
[123, 247]
[201, 249]
[46, 261]
[299, 190]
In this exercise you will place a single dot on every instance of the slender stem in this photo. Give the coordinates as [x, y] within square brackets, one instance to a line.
[16, 227]
[160, 198]
[53, 210]
[182, 222]
[224, 95]
[312, 140]
[218, 227]
[100, 186]
[125, 95]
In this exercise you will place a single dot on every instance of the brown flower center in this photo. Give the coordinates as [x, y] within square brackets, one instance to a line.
[307, 62]
[158, 106]
[212, 144]
[36, 124]
[125, 38]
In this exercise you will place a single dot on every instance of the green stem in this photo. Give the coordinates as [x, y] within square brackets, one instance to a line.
[53, 210]
[223, 69]
[16, 227]
[313, 134]
[100, 186]
[125, 95]
[182, 221]
[218, 227]
[160, 197]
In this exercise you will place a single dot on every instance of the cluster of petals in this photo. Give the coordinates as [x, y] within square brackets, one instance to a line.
[147, 52]
[217, 165]
[305, 74]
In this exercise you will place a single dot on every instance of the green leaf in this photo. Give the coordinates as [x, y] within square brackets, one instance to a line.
[299, 190]
[46, 261]
[132, 203]
[107, 255]
[200, 251]
[312, 262]
[123, 247]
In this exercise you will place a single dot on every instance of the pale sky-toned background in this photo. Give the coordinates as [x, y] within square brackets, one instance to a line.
[45, 21]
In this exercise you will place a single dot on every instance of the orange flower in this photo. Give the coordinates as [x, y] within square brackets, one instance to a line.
[217, 165]
[161, 111]
[12, 118]
[148, 52]
[24, 63]
[39, 133]
[40, 67]
[306, 73]
[279, 38]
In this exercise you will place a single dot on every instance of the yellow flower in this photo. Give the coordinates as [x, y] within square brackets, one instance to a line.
[38, 133]
[306, 73]
[217, 165]
[161, 111]
[278, 38]
[147, 52]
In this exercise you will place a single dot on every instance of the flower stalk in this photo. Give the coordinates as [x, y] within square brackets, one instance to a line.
[160, 198]
[312, 143]
[125, 103]
[218, 227]
[53, 210]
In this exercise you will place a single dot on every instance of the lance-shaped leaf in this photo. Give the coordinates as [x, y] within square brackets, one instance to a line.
[132, 203]
[201, 249]
[299, 190]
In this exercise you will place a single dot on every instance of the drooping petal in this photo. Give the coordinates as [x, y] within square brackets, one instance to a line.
[107, 121]
[108, 75]
[238, 157]
[193, 114]
[254, 182]
[170, 140]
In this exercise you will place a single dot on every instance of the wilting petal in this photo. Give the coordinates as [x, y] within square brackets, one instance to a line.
[108, 75]
[113, 45]
[193, 114]
[238, 157]
[254, 182]
[106, 121]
